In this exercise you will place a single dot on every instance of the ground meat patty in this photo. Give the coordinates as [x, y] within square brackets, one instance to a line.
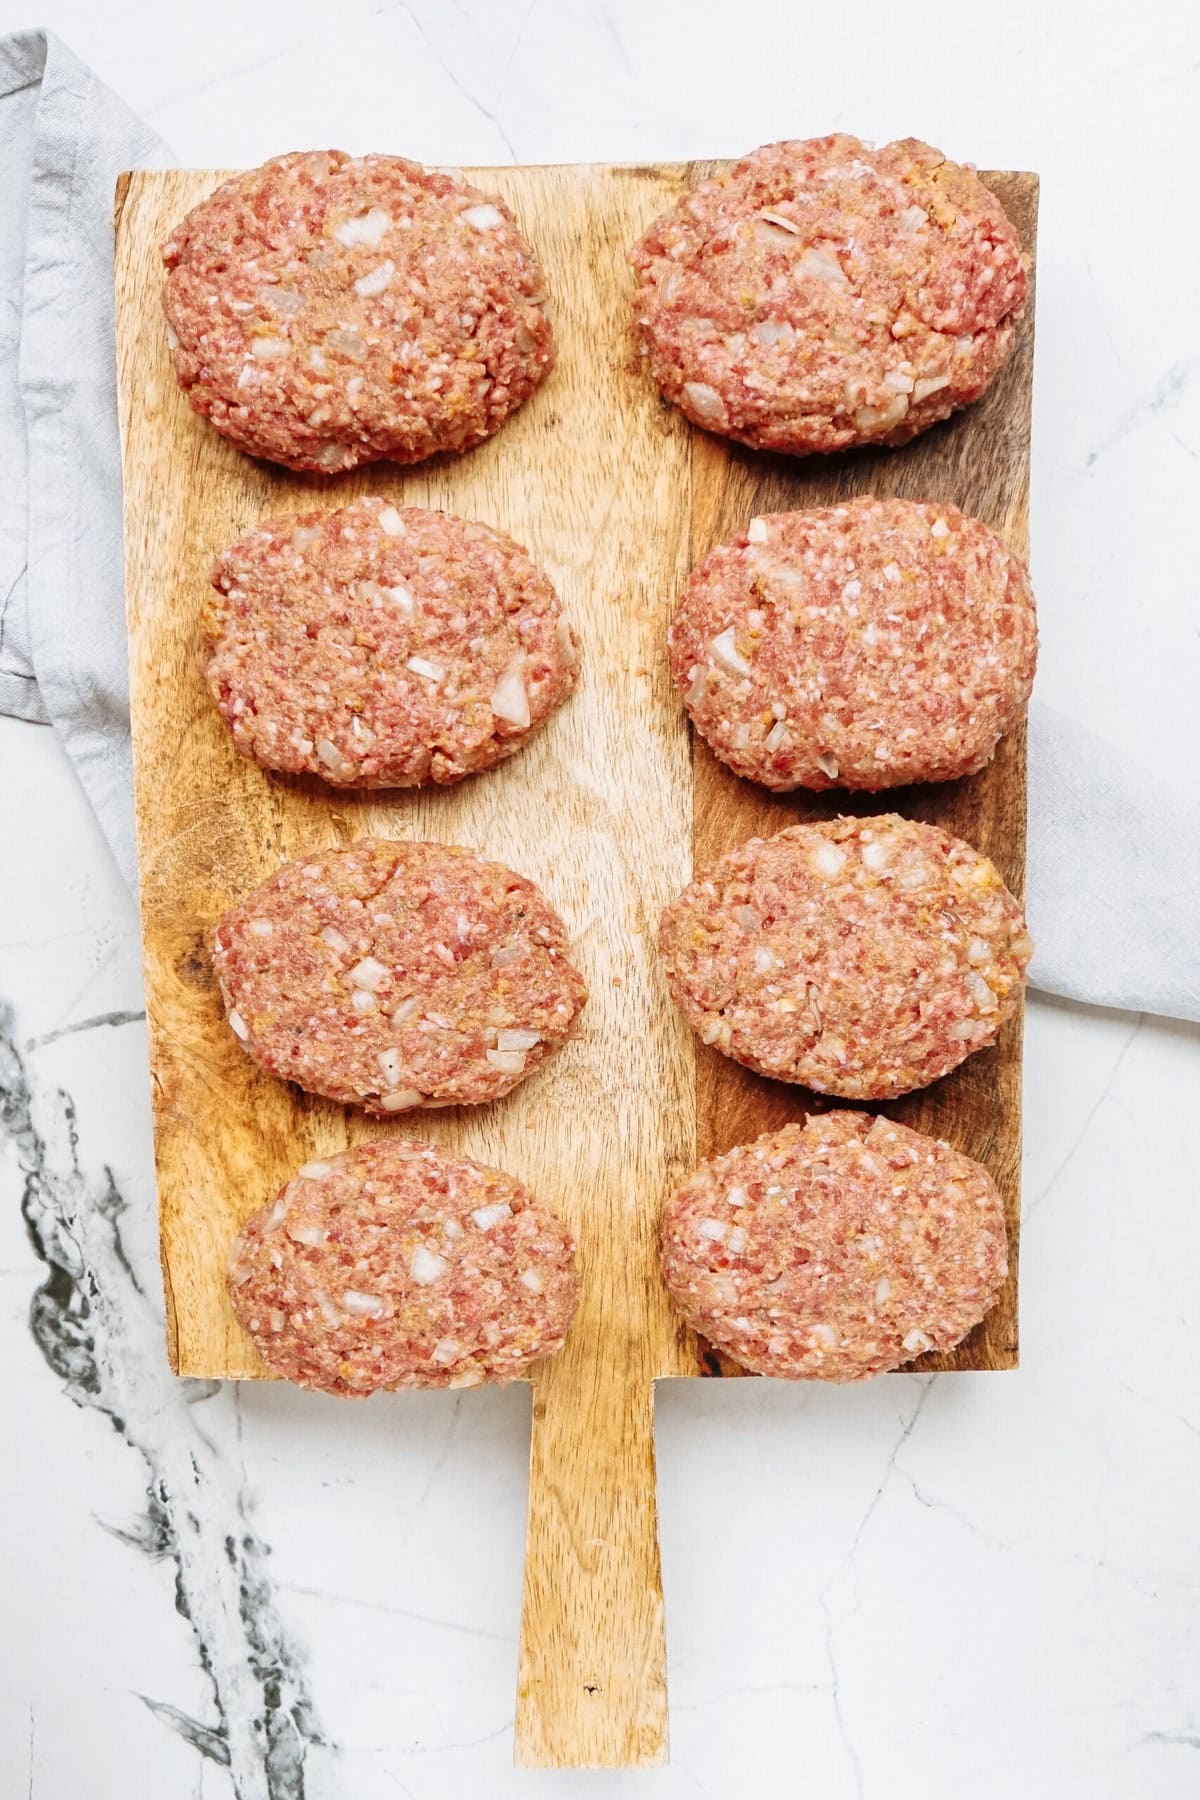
[379, 646]
[823, 294]
[326, 311]
[395, 1265]
[835, 1249]
[862, 957]
[863, 646]
[392, 976]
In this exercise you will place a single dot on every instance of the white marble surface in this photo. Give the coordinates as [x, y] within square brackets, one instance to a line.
[982, 1585]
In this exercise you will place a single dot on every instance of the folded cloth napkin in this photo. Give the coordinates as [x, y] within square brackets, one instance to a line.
[1114, 857]
[63, 141]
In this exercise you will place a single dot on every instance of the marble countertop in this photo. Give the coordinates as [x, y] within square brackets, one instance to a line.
[979, 1584]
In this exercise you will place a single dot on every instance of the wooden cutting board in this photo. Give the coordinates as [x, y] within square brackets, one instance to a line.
[616, 496]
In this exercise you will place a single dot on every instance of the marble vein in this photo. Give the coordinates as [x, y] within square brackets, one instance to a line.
[1073, 1148]
[1156, 401]
[97, 1331]
[847, 1562]
[447, 70]
[94, 1024]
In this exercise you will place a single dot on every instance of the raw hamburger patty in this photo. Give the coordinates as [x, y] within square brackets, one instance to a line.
[837, 1249]
[395, 1265]
[862, 957]
[392, 976]
[823, 294]
[326, 311]
[863, 646]
[379, 646]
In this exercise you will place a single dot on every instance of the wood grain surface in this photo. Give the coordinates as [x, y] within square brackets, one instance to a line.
[614, 495]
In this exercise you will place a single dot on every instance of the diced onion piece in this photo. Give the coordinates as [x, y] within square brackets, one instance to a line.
[281, 300]
[389, 520]
[274, 1219]
[517, 1040]
[705, 402]
[508, 1062]
[333, 937]
[466, 1378]
[824, 1336]
[781, 221]
[822, 265]
[775, 736]
[980, 992]
[347, 343]
[829, 859]
[565, 639]
[328, 1310]
[420, 665]
[529, 1278]
[757, 531]
[928, 384]
[238, 1025]
[401, 597]
[735, 1243]
[376, 281]
[363, 1306]
[483, 218]
[715, 1230]
[736, 1196]
[393, 1069]
[979, 951]
[362, 1000]
[510, 697]
[487, 1216]
[302, 1232]
[726, 655]
[270, 349]
[334, 761]
[912, 218]
[316, 1170]
[369, 973]
[882, 418]
[875, 856]
[446, 1350]
[426, 1268]
[401, 1100]
[883, 1288]
[406, 1010]
[916, 1341]
[505, 954]
[367, 230]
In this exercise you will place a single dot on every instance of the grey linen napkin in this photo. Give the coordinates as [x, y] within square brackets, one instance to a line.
[63, 141]
[1114, 857]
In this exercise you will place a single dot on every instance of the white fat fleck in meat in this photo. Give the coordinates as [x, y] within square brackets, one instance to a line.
[488, 1216]
[376, 281]
[360, 1305]
[483, 218]
[510, 697]
[370, 973]
[426, 1267]
[365, 231]
[726, 655]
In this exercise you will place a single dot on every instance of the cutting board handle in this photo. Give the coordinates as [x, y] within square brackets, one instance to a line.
[592, 1683]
